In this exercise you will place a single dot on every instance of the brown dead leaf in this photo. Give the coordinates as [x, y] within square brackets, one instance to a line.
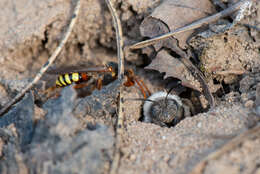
[172, 14]
[151, 27]
[173, 67]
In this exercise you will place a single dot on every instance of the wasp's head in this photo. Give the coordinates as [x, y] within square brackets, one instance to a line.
[113, 68]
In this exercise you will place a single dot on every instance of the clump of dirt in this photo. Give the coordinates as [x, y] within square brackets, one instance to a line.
[225, 57]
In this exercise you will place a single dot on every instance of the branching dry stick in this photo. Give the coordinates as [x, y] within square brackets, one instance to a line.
[192, 26]
[120, 56]
[48, 63]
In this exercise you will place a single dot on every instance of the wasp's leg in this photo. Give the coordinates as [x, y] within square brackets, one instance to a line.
[80, 85]
[142, 82]
[53, 91]
[141, 88]
[132, 79]
[85, 88]
[129, 82]
[99, 83]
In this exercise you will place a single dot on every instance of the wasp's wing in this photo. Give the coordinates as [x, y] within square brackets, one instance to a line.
[72, 69]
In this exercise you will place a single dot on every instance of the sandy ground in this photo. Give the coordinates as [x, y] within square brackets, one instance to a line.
[30, 33]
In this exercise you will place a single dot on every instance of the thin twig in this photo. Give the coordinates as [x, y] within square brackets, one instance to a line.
[228, 72]
[119, 39]
[251, 26]
[198, 74]
[200, 167]
[120, 56]
[48, 63]
[191, 26]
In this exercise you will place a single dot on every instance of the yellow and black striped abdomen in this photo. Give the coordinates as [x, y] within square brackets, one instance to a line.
[68, 78]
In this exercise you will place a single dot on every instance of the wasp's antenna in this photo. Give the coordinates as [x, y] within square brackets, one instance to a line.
[142, 99]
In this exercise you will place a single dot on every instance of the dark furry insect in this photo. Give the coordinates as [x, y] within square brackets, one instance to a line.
[166, 109]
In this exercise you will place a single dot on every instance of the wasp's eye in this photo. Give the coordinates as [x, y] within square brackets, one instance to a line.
[113, 74]
[112, 66]
[110, 69]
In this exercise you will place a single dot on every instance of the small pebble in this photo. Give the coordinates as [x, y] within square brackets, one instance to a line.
[199, 125]
[244, 97]
[3, 95]
[249, 104]
[132, 157]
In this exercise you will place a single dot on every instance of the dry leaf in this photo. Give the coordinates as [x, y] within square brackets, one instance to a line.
[172, 14]
[164, 62]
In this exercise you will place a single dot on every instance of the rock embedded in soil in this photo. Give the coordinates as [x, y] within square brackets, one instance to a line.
[21, 115]
[57, 143]
[88, 151]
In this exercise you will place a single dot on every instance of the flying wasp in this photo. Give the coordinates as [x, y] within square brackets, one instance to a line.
[94, 77]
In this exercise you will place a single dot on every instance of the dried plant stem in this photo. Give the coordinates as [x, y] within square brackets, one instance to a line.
[48, 63]
[191, 26]
[232, 71]
[198, 74]
[120, 56]
[119, 39]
